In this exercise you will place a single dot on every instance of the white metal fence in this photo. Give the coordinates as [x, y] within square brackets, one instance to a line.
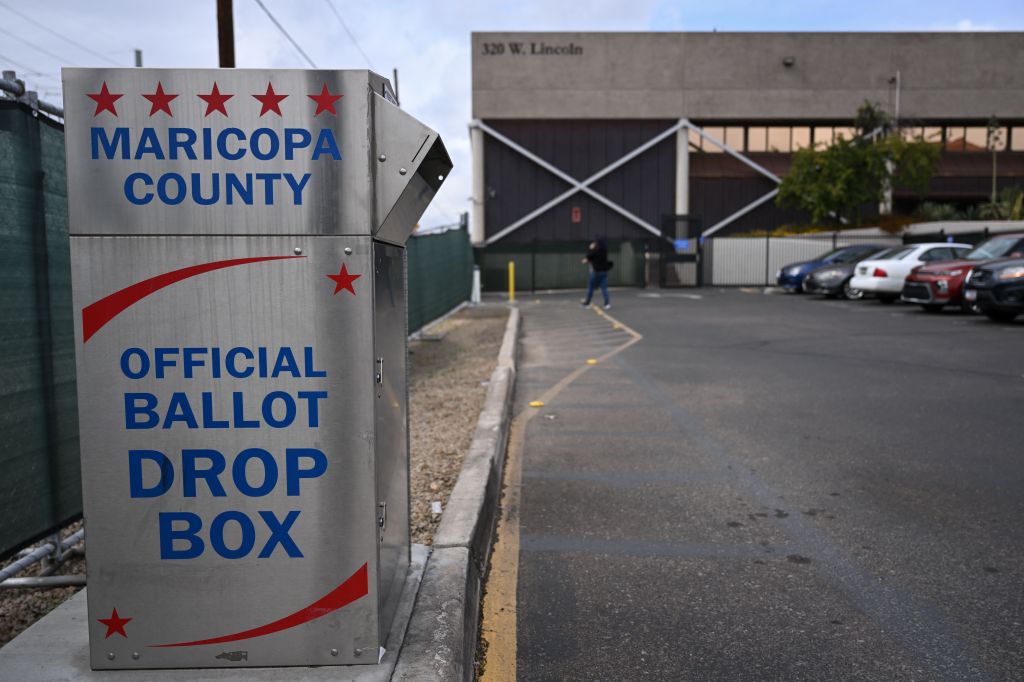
[753, 261]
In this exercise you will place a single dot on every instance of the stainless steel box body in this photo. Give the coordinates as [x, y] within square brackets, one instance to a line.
[242, 368]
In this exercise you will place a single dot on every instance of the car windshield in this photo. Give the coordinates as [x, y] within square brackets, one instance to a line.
[897, 254]
[997, 247]
[884, 254]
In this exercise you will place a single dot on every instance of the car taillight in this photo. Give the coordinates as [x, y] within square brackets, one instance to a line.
[879, 272]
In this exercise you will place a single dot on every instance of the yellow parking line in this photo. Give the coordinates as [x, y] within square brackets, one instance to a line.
[499, 604]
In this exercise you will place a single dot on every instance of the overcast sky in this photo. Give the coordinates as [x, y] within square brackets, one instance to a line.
[428, 41]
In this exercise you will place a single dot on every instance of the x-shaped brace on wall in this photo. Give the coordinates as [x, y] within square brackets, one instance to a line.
[576, 186]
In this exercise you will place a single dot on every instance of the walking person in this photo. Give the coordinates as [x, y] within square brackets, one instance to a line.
[597, 258]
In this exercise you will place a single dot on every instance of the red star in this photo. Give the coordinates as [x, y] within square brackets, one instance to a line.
[104, 100]
[215, 101]
[115, 624]
[271, 100]
[161, 101]
[325, 101]
[343, 280]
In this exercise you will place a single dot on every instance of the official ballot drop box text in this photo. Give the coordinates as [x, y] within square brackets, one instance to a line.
[240, 298]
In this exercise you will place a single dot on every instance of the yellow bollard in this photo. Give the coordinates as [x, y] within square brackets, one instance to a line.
[511, 281]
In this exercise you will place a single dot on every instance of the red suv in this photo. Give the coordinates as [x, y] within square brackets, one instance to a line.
[938, 284]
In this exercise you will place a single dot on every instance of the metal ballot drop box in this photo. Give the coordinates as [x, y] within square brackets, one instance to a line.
[240, 299]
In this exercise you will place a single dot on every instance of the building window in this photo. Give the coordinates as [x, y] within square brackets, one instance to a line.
[955, 139]
[778, 140]
[734, 138]
[757, 139]
[823, 137]
[1017, 141]
[933, 134]
[695, 140]
[715, 133]
[977, 138]
[801, 138]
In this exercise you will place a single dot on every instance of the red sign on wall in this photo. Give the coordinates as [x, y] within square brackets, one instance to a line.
[577, 214]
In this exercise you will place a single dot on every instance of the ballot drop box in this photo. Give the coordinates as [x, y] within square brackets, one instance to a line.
[238, 263]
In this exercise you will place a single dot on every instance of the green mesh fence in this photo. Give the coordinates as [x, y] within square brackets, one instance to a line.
[40, 482]
[440, 274]
[557, 266]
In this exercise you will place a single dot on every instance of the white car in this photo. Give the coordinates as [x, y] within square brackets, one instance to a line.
[884, 278]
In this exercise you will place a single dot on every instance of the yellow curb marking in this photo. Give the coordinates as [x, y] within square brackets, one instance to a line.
[499, 602]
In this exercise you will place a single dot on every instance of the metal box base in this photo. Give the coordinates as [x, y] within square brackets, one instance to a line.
[56, 649]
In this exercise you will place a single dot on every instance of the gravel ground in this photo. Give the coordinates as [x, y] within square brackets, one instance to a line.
[447, 383]
[19, 608]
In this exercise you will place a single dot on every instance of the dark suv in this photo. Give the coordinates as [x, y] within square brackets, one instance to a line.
[998, 288]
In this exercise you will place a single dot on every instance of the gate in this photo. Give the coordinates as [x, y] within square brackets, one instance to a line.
[680, 254]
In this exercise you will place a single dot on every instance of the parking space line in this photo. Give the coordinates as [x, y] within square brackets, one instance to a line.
[498, 625]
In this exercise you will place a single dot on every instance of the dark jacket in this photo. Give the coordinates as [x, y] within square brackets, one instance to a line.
[598, 258]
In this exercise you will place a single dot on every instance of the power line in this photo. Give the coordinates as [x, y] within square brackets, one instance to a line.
[40, 49]
[25, 69]
[281, 29]
[59, 35]
[350, 35]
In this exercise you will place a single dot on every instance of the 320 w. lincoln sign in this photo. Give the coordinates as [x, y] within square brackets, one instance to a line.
[239, 285]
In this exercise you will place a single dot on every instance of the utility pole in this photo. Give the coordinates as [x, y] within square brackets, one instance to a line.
[138, 58]
[226, 34]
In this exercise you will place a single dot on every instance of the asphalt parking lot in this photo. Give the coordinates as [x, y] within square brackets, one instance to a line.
[767, 487]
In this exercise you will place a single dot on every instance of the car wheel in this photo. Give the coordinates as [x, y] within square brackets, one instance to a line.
[970, 308]
[886, 298]
[1000, 315]
[851, 294]
[933, 307]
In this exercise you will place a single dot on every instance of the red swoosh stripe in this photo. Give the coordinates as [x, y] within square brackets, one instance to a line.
[97, 314]
[349, 591]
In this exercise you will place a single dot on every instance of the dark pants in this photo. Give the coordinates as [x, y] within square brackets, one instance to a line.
[597, 279]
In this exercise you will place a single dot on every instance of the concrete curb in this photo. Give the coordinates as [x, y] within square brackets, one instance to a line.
[440, 643]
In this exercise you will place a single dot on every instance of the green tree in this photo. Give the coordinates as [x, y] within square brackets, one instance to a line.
[836, 181]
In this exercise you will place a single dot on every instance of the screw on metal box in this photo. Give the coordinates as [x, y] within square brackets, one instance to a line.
[334, 652]
[135, 655]
[111, 656]
[382, 158]
[298, 251]
[402, 171]
[358, 652]
[348, 250]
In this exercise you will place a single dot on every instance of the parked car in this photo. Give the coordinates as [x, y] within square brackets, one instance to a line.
[998, 288]
[834, 280]
[884, 277]
[792, 276]
[936, 285]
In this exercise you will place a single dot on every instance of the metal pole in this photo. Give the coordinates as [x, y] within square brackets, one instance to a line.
[683, 170]
[138, 58]
[226, 34]
[36, 555]
[511, 281]
[46, 582]
[476, 143]
[767, 255]
[395, 82]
